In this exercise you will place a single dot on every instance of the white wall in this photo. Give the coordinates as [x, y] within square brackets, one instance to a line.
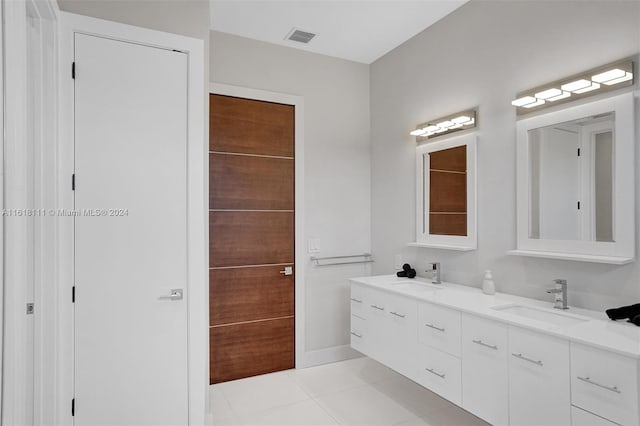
[336, 167]
[482, 55]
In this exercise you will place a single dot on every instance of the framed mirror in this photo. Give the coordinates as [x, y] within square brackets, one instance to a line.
[446, 194]
[575, 183]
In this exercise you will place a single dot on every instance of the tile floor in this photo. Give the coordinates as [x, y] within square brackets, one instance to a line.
[354, 392]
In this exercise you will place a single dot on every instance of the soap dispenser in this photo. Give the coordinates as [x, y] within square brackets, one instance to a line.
[488, 286]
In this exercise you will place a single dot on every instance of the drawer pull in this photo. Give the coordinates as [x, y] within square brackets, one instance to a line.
[591, 382]
[377, 307]
[356, 300]
[432, 371]
[353, 333]
[520, 356]
[486, 345]
[435, 327]
[397, 314]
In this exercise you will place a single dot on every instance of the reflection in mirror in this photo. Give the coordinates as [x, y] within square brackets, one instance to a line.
[571, 180]
[447, 191]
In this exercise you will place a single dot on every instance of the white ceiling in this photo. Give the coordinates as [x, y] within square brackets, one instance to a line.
[358, 30]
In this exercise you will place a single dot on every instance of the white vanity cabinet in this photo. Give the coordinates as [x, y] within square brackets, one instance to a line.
[505, 372]
[485, 369]
[539, 385]
[383, 327]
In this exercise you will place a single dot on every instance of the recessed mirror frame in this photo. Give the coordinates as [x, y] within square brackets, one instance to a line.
[622, 250]
[449, 242]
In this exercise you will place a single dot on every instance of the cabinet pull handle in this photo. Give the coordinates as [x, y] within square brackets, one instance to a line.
[397, 314]
[356, 300]
[591, 382]
[520, 356]
[377, 307]
[435, 327]
[432, 371]
[486, 345]
[356, 334]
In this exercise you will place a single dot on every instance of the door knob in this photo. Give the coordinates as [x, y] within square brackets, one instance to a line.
[288, 270]
[175, 294]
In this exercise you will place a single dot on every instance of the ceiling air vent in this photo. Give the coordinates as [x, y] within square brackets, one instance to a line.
[300, 36]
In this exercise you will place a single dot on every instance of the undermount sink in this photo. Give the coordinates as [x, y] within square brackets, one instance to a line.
[420, 286]
[561, 319]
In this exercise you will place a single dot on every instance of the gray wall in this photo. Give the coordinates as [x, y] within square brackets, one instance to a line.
[482, 55]
[336, 164]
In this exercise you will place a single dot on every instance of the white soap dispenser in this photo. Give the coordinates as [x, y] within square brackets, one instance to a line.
[488, 286]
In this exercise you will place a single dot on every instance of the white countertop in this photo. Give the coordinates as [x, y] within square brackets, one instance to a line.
[598, 331]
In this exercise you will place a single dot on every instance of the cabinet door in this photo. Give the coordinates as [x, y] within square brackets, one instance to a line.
[376, 313]
[358, 301]
[484, 369]
[439, 328]
[539, 379]
[605, 384]
[439, 372]
[359, 334]
[584, 418]
[402, 334]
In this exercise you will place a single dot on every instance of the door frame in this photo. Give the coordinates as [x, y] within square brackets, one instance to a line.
[197, 225]
[27, 388]
[302, 358]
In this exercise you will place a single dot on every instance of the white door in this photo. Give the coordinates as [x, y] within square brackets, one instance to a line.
[130, 171]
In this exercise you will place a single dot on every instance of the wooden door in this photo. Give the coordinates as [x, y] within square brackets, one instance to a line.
[130, 240]
[251, 237]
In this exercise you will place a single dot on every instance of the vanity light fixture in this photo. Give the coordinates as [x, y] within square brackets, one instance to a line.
[598, 80]
[451, 123]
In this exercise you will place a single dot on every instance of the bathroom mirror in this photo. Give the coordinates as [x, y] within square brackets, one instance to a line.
[571, 179]
[576, 183]
[446, 194]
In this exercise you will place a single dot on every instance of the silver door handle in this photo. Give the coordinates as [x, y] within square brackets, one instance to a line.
[432, 371]
[522, 357]
[288, 270]
[486, 345]
[377, 307]
[591, 382]
[353, 333]
[435, 327]
[356, 300]
[397, 314]
[175, 294]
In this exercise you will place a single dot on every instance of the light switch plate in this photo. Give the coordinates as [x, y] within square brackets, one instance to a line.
[313, 245]
[398, 262]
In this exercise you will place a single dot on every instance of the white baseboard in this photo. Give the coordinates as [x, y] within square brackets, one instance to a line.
[325, 356]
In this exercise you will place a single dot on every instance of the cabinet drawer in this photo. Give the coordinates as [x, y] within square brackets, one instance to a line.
[605, 384]
[539, 377]
[484, 369]
[439, 328]
[580, 417]
[359, 334]
[402, 335]
[358, 300]
[440, 372]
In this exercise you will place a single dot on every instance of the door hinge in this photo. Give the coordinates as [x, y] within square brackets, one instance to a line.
[578, 205]
[30, 308]
[73, 294]
[578, 152]
[73, 182]
[73, 70]
[73, 407]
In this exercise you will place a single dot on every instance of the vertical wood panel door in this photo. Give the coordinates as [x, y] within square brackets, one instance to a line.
[131, 239]
[251, 237]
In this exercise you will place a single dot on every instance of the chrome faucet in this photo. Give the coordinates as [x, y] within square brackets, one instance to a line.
[435, 272]
[560, 292]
